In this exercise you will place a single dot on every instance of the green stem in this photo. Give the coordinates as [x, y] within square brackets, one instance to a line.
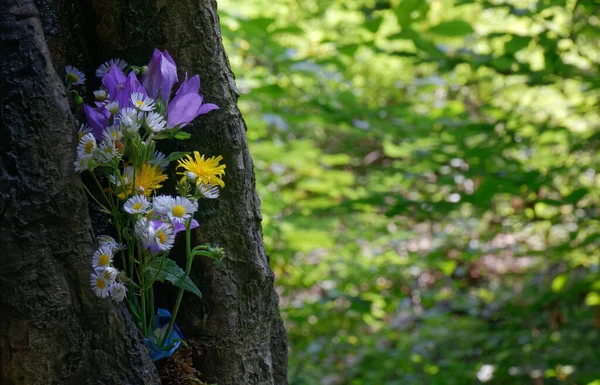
[142, 292]
[188, 268]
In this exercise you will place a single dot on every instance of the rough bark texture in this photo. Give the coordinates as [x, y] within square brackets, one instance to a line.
[237, 323]
[52, 329]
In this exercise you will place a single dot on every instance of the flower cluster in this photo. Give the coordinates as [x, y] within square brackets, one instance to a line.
[117, 148]
[105, 279]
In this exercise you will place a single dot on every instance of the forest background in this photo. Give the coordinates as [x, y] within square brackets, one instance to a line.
[427, 172]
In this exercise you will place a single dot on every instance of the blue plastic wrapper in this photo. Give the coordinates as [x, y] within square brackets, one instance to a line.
[161, 322]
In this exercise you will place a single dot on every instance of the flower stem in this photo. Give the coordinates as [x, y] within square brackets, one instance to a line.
[188, 268]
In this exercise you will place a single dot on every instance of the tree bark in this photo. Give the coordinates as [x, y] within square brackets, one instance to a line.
[237, 324]
[53, 330]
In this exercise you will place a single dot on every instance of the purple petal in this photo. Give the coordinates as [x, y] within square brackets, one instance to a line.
[181, 227]
[130, 85]
[161, 75]
[97, 119]
[189, 86]
[206, 108]
[113, 80]
[183, 109]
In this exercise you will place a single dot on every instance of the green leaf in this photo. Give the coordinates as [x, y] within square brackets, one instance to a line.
[516, 43]
[559, 283]
[592, 299]
[182, 135]
[166, 269]
[177, 155]
[373, 24]
[452, 28]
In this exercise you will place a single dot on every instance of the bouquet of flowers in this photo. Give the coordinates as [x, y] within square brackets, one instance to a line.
[117, 147]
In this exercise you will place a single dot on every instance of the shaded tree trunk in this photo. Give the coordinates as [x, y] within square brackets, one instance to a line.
[52, 328]
[237, 325]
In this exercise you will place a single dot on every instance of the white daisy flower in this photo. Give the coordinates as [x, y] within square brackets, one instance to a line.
[162, 204]
[136, 205]
[107, 151]
[99, 284]
[100, 95]
[160, 160]
[142, 102]
[101, 70]
[113, 107]
[129, 119]
[83, 129]
[107, 240]
[181, 209]
[112, 133]
[155, 122]
[109, 274]
[164, 237]
[74, 75]
[144, 230]
[102, 258]
[208, 191]
[118, 291]
[83, 163]
[87, 146]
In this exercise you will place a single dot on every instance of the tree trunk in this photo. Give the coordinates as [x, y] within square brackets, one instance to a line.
[237, 325]
[52, 328]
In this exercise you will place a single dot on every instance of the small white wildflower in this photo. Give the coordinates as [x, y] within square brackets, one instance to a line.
[164, 237]
[107, 151]
[129, 119]
[144, 231]
[87, 146]
[100, 286]
[74, 75]
[107, 240]
[208, 191]
[136, 205]
[102, 258]
[112, 133]
[83, 163]
[100, 95]
[142, 102]
[83, 129]
[104, 67]
[162, 204]
[118, 291]
[181, 209]
[155, 122]
[160, 160]
[113, 107]
[110, 274]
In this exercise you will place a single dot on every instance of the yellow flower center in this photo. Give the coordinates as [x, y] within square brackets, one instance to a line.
[178, 211]
[162, 237]
[137, 206]
[140, 103]
[79, 135]
[108, 150]
[115, 135]
[103, 260]
[106, 274]
[89, 146]
[100, 283]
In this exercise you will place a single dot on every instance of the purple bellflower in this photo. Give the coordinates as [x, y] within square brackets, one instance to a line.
[97, 118]
[161, 75]
[187, 103]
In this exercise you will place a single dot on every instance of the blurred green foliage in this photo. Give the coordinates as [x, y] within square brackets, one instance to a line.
[427, 171]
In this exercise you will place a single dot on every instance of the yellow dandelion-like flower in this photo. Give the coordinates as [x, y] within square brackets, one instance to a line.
[147, 179]
[200, 170]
